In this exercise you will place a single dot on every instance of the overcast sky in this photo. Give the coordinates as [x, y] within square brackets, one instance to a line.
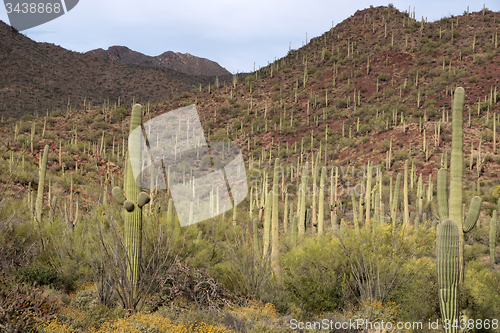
[234, 33]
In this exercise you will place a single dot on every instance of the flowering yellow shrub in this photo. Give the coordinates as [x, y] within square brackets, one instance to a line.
[154, 323]
[54, 326]
[374, 310]
[256, 310]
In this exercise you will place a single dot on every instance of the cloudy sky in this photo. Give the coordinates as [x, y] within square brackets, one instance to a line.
[234, 33]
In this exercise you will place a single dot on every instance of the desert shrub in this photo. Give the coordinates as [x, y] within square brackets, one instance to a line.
[418, 299]
[478, 60]
[311, 275]
[22, 307]
[384, 76]
[486, 136]
[472, 79]
[87, 120]
[382, 261]
[400, 155]
[483, 287]
[119, 113]
[100, 125]
[311, 70]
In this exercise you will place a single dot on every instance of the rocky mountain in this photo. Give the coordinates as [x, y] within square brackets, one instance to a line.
[36, 77]
[181, 62]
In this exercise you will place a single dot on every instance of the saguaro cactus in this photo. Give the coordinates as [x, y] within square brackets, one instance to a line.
[275, 222]
[41, 184]
[133, 214]
[321, 213]
[454, 211]
[448, 271]
[493, 236]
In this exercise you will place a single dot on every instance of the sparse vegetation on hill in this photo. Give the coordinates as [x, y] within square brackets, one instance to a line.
[358, 126]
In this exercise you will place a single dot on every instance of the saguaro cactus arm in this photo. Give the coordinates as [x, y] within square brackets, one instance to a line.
[118, 195]
[143, 199]
[473, 215]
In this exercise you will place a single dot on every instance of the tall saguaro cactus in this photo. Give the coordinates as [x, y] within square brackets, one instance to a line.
[133, 214]
[450, 245]
[448, 271]
[456, 181]
[41, 184]
[275, 222]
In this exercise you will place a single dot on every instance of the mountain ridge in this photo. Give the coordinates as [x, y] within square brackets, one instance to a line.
[181, 62]
[40, 77]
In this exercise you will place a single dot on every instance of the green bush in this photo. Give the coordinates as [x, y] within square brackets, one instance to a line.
[47, 276]
[384, 76]
[472, 79]
[311, 275]
[120, 113]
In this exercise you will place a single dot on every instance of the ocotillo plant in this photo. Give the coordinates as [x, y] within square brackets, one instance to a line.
[133, 213]
[448, 271]
[454, 212]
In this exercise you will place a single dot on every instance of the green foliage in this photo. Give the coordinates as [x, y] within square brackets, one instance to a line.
[484, 288]
[119, 113]
[472, 79]
[47, 276]
[311, 275]
[384, 76]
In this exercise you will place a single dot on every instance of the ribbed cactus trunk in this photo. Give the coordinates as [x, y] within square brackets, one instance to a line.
[448, 271]
[442, 196]
[395, 201]
[133, 219]
[493, 236]
[41, 184]
[321, 205]
[133, 209]
[302, 211]
[405, 196]
[451, 234]
[456, 168]
[256, 247]
[275, 222]
[368, 193]
[267, 223]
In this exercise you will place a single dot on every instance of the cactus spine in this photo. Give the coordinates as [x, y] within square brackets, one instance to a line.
[133, 213]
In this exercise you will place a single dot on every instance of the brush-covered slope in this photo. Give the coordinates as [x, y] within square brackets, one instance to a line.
[35, 77]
